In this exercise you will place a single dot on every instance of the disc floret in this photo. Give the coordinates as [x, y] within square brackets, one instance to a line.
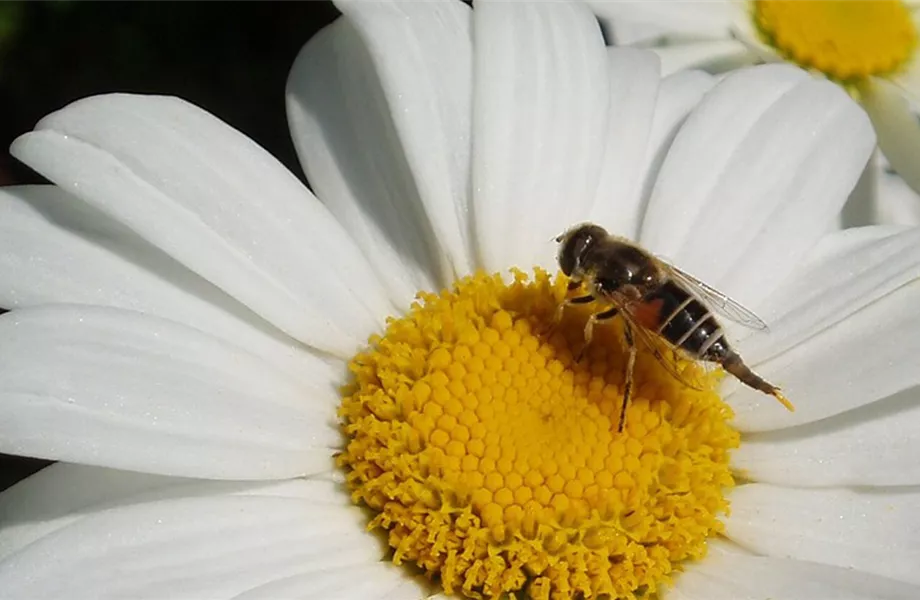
[491, 456]
[847, 40]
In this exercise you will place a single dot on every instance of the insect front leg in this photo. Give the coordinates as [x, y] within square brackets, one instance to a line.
[628, 376]
[573, 285]
[589, 327]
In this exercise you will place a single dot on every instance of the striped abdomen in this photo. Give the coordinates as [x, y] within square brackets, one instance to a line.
[680, 318]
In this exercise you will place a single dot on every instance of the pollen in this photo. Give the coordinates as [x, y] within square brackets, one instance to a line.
[847, 40]
[490, 456]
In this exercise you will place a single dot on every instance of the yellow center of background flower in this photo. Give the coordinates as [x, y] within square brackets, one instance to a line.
[845, 39]
[492, 458]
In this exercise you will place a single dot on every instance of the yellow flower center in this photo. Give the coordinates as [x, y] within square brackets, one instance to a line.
[492, 458]
[845, 39]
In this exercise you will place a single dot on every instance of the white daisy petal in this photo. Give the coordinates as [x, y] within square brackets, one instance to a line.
[381, 580]
[776, 171]
[315, 489]
[717, 546]
[743, 98]
[214, 547]
[873, 445]
[729, 576]
[423, 54]
[634, 83]
[875, 261]
[115, 388]
[875, 531]
[714, 56]
[896, 126]
[213, 200]
[539, 126]
[711, 18]
[407, 588]
[852, 363]
[678, 95]
[860, 207]
[56, 249]
[344, 136]
[61, 494]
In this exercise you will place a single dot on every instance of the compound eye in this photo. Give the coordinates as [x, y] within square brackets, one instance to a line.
[566, 261]
[573, 249]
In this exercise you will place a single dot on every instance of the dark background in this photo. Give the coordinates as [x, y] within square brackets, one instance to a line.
[230, 58]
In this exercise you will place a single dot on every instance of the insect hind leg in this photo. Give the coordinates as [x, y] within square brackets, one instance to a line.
[628, 375]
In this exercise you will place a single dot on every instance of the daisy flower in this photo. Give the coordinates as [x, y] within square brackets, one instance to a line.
[870, 47]
[248, 398]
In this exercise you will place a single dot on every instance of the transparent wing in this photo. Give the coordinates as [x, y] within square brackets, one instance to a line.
[659, 347]
[716, 300]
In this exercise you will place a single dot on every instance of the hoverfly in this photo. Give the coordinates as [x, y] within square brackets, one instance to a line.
[654, 298]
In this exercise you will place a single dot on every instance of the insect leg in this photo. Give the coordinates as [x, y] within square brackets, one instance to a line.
[557, 318]
[573, 285]
[589, 327]
[628, 377]
[601, 316]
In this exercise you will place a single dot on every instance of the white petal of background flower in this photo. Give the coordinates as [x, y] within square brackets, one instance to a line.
[714, 56]
[908, 77]
[641, 35]
[59, 250]
[678, 94]
[908, 80]
[214, 546]
[745, 31]
[423, 56]
[876, 531]
[896, 126]
[219, 204]
[777, 171]
[634, 80]
[141, 393]
[845, 272]
[873, 445]
[346, 141]
[540, 104]
[895, 201]
[881, 197]
[732, 576]
[706, 19]
[864, 358]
